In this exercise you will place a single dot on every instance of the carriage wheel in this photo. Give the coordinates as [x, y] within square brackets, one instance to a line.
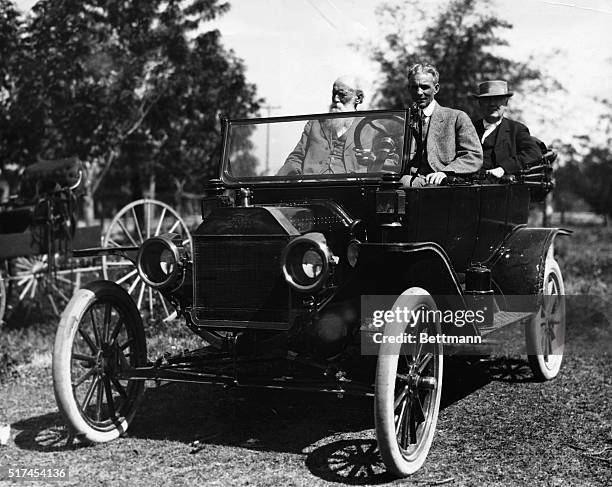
[31, 283]
[100, 335]
[545, 333]
[408, 389]
[133, 224]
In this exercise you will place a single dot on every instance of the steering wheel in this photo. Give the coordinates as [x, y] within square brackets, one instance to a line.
[386, 143]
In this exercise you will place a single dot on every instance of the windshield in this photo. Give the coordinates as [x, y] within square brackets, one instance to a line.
[329, 146]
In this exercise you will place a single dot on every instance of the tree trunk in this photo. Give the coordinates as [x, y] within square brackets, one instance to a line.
[100, 211]
[89, 213]
[178, 195]
[89, 186]
[149, 192]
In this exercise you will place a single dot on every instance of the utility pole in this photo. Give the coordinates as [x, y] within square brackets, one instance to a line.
[268, 108]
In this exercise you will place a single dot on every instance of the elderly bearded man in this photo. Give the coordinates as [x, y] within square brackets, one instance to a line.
[507, 145]
[328, 145]
[449, 144]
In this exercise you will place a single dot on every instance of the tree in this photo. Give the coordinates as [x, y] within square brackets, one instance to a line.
[587, 172]
[131, 89]
[564, 195]
[10, 27]
[462, 40]
[594, 181]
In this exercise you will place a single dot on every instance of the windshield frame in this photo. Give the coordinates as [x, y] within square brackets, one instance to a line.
[232, 181]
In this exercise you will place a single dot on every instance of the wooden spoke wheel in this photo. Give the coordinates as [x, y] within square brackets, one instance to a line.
[133, 224]
[408, 389]
[545, 333]
[31, 283]
[99, 336]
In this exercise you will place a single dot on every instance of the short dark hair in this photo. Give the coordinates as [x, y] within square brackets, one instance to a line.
[424, 68]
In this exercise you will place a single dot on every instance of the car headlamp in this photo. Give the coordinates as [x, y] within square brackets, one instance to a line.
[305, 262]
[160, 261]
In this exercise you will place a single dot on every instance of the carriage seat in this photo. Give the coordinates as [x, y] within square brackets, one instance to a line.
[39, 179]
[45, 176]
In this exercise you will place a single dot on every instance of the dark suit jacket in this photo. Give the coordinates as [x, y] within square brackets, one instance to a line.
[312, 153]
[452, 143]
[514, 146]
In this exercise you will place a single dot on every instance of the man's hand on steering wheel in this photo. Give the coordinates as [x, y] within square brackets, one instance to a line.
[365, 157]
[435, 178]
[385, 138]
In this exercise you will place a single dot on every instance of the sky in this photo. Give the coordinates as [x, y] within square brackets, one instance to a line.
[294, 49]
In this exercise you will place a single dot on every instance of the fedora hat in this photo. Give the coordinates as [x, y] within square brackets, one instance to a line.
[492, 88]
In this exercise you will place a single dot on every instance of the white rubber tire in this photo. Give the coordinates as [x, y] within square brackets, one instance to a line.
[405, 461]
[83, 426]
[546, 331]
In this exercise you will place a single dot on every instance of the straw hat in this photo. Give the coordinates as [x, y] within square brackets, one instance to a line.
[492, 88]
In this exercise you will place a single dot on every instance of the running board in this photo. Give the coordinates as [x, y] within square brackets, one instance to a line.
[501, 319]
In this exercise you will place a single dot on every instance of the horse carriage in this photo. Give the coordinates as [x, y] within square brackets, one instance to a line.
[279, 278]
[39, 232]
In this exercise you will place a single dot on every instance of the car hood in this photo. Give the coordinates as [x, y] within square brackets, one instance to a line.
[320, 216]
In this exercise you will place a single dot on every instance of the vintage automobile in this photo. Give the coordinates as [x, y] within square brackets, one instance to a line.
[280, 276]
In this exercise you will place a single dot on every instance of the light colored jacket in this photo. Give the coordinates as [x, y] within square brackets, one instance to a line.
[452, 142]
[312, 154]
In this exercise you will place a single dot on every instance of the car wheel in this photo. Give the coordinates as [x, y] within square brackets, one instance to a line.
[545, 333]
[100, 334]
[408, 389]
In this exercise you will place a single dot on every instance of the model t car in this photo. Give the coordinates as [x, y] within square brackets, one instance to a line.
[280, 276]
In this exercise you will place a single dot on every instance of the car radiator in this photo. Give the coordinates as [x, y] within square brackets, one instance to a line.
[238, 278]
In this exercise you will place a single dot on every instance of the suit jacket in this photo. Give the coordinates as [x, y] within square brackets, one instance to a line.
[312, 152]
[514, 146]
[452, 142]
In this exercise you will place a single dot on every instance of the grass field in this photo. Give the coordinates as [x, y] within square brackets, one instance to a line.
[497, 427]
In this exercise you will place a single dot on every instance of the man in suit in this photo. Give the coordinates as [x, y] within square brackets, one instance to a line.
[328, 146]
[448, 142]
[507, 145]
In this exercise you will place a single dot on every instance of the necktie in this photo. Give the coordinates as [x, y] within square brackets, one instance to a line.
[422, 135]
[419, 138]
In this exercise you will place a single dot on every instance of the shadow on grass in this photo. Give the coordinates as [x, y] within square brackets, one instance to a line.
[352, 462]
[465, 375]
[336, 435]
[45, 433]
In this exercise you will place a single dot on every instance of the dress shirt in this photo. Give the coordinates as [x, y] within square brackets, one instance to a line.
[489, 129]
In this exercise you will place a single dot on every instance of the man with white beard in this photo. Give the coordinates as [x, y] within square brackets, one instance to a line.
[327, 146]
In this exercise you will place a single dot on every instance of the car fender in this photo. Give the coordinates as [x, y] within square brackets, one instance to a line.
[517, 268]
[395, 267]
[391, 268]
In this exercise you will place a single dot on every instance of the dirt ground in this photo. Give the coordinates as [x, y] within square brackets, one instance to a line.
[497, 426]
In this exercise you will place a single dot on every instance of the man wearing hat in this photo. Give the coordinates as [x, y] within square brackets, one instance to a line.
[506, 144]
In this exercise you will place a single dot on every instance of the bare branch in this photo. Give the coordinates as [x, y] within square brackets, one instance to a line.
[144, 111]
